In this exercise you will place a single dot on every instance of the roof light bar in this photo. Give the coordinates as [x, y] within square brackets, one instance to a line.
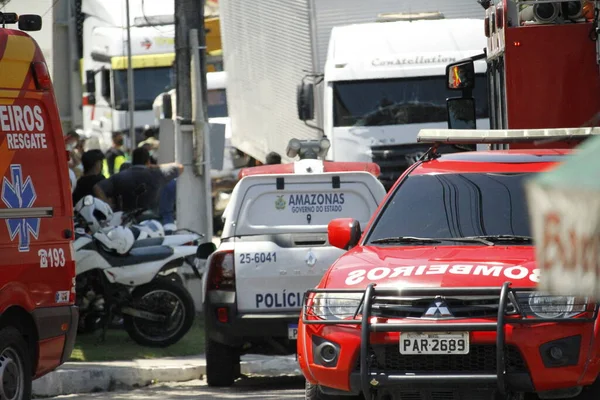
[475, 136]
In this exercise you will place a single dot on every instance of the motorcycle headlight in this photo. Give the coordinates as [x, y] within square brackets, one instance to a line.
[336, 306]
[547, 306]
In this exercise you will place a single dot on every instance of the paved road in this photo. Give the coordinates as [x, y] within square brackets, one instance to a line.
[285, 388]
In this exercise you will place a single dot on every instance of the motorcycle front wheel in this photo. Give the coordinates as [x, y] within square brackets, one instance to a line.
[165, 297]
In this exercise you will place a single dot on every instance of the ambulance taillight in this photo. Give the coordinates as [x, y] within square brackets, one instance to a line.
[41, 76]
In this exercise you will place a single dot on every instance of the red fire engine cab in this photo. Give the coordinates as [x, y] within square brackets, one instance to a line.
[543, 72]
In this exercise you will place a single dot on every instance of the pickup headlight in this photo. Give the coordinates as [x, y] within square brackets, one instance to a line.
[547, 306]
[336, 306]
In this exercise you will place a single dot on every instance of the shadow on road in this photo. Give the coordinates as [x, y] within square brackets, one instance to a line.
[285, 388]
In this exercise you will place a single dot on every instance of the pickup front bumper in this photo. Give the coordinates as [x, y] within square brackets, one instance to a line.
[371, 372]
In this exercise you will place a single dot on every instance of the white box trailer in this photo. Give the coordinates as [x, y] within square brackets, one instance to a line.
[270, 45]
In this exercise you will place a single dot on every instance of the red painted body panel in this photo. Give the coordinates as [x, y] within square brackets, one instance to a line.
[450, 266]
[33, 178]
[552, 79]
[50, 352]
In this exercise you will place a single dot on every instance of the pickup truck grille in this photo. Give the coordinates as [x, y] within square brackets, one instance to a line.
[460, 307]
[481, 359]
[394, 159]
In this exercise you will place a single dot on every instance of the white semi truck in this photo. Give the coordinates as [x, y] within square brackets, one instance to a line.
[379, 89]
[105, 98]
[271, 46]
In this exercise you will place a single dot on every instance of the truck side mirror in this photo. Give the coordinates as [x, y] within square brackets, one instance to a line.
[343, 233]
[90, 86]
[461, 113]
[167, 106]
[30, 22]
[460, 75]
[305, 101]
[105, 89]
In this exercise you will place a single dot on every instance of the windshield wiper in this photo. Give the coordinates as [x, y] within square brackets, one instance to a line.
[413, 239]
[504, 238]
[405, 239]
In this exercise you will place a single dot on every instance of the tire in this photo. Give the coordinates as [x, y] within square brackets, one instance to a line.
[15, 359]
[312, 392]
[148, 333]
[222, 364]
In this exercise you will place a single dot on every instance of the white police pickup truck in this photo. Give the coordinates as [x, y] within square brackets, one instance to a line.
[273, 248]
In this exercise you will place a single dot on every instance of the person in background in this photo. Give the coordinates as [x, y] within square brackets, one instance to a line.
[72, 144]
[139, 186]
[92, 161]
[273, 158]
[115, 156]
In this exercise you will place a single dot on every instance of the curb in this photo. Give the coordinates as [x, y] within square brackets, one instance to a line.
[77, 377]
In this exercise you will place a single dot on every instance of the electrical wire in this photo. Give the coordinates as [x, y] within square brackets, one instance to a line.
[150, 24]
[49, 8]
[5, 4]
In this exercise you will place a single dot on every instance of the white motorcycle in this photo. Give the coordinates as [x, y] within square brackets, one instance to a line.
[147, 233]
[117, 279]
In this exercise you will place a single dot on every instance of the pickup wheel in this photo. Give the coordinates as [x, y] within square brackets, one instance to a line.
[15, 365]
[222, 364]
[312, 392]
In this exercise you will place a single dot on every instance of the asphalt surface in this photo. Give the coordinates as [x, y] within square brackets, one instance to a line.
[285, 388]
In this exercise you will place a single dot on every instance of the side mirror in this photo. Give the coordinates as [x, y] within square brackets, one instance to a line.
[167, 106]
[105, 89]
[205, 250]
[461, 113]
[90, 86]
[30, 22]
[343, 233]
[305, 101]
[460, 75]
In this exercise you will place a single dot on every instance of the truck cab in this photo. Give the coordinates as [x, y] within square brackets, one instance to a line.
[273, 249]
[380, 89]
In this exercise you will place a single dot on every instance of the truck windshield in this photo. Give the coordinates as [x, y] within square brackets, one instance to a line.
[455, 206]
[398, 101]
[148, 84]
[217, 103]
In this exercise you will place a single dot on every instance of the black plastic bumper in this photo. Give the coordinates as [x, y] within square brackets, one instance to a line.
[243, 328]
[368, 378]
[50, 322]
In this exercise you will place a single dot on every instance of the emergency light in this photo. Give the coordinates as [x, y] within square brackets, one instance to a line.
[478, 136]
[308, 149]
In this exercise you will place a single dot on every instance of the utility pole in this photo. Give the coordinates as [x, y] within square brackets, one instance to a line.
[130, 86]
[194, 202]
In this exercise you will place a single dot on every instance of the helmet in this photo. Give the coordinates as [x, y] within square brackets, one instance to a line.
[121, 239]
[169, 228]
[95, 212]
[152, 228]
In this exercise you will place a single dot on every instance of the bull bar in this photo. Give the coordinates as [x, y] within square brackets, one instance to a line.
[505, 292]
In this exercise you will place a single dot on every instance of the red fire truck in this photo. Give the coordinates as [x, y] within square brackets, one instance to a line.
[543, 68]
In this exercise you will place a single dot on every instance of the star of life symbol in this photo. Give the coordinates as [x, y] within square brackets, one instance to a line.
[438, 309]
[310, 259]
[17, 193]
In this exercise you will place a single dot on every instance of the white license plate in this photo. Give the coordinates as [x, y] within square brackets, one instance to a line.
[292, 331]
[434, 343]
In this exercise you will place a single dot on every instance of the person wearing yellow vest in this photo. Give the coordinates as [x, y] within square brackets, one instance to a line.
[115, 156]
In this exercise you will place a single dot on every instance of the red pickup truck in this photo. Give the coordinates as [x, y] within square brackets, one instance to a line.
[437, 299]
